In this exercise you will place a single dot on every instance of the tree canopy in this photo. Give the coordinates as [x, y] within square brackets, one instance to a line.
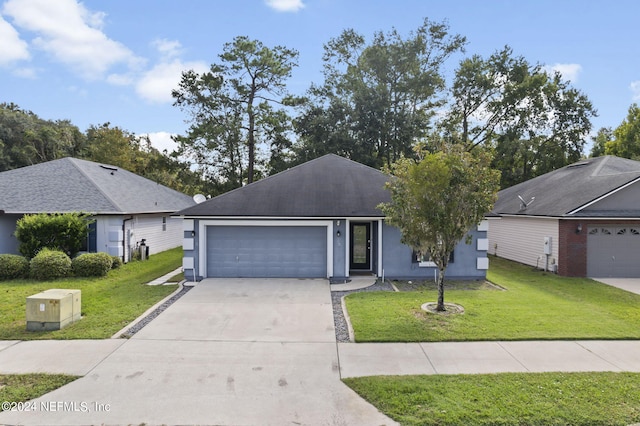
[624, 140]
[377, 99]
[534, 121]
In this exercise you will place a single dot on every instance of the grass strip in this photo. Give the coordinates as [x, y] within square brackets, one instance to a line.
[17, 388]
[505, 399]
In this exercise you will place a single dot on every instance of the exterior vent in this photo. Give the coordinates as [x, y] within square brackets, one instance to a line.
[578, 164]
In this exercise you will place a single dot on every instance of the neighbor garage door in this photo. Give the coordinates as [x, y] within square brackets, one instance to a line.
[267, 251]
[613, 251]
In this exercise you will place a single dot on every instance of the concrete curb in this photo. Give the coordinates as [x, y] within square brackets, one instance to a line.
[347, 319]
[133, 323]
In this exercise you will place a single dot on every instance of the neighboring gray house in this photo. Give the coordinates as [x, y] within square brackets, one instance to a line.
[580, 220]
[126, 207]
[319, 219]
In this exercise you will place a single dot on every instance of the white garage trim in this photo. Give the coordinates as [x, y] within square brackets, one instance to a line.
[202, 236]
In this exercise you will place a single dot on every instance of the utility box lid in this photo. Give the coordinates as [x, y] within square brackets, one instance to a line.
[53, 309]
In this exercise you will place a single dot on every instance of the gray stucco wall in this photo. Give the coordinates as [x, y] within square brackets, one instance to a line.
[339, 249]
[8, 242]
[397, 264]
[396, 257]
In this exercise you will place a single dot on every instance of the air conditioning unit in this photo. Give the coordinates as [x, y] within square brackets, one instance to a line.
[53, 309]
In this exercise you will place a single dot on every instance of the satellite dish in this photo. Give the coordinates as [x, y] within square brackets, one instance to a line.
[524, 204]
[199, 198]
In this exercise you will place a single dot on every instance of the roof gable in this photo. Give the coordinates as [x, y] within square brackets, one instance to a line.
[329, 186]
[70, 184]
[567, 190]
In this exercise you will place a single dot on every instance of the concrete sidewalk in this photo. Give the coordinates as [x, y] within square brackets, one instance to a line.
[372, 359]
[80, 357]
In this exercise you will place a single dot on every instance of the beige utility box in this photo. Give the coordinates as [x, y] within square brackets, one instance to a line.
[53, 309]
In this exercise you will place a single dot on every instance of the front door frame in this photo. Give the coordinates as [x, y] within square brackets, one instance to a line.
[363, 266]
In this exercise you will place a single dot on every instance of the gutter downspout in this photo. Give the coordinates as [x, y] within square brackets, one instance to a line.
[124, 239]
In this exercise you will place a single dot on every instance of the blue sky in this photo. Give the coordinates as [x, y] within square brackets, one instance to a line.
[117, 61]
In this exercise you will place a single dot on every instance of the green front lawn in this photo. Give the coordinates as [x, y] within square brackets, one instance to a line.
[535, 305]
[108, 303]
[505, 399]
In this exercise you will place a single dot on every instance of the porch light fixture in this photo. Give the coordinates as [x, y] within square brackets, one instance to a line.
[338, 233]
[193, 233]
[579, 228]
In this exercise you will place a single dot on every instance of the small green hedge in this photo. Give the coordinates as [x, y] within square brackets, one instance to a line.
[116, 262]
[92, 264]
[49, 265]
[13, 266]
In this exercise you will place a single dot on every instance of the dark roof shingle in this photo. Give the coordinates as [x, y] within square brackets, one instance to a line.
[329, 186]
[73, 185]
[562, 191]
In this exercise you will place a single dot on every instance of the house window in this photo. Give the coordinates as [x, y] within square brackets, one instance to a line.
[593, 231]
[605, 231]
[622, 231]
[634, 231]
[164, 223]
[425, 261]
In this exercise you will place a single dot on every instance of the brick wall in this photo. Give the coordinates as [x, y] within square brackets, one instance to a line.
[572, 253]
[572, 249]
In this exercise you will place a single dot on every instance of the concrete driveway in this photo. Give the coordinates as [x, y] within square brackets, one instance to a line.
[628, 284]
[229, 352]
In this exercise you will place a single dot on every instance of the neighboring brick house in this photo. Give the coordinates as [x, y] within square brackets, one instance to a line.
[580, 220]
[126, 207]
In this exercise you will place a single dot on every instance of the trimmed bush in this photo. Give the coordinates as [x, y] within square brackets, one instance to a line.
[92, 265]
[49, 265]
[116, 262]
[13, 266]
[61, 231]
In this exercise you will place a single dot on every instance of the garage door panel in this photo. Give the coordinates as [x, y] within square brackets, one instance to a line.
[612, 251]
[267, 251]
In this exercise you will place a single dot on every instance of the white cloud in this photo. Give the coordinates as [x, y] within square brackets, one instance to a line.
[167, 48]
[162, 141]
[12, 48]
[568, 71]
[29, 73]
[285, 5]
[156, 84]
[635, 90]
[71, 34]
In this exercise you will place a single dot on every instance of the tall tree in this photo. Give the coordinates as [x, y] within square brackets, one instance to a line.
[604, 135]
[626, 137]
[535, 121]
[113, 145]
[377, 99]
[26, 139]
[435, 201]
[235, 108]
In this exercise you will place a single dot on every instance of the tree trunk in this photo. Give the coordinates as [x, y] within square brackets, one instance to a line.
[440, 307]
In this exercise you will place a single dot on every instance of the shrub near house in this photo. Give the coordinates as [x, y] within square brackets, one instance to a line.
[64, 231]
[92, 264]
[13, 266]
[49, 265]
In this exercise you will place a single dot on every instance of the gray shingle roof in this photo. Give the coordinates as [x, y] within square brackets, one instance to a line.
[329, 186]
[562, 191]
[71, 185]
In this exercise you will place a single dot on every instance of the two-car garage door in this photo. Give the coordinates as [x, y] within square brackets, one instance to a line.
[612, 251]
[267, 251]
